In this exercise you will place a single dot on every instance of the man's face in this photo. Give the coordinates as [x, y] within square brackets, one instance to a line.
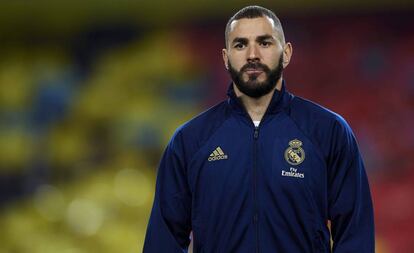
[254, 55]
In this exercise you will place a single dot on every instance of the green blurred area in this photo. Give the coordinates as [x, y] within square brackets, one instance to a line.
[101, 156]
[103, 212]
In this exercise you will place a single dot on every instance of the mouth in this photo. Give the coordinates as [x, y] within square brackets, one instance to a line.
[253, 71]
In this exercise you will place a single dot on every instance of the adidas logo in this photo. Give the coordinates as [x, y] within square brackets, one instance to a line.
[217, 154]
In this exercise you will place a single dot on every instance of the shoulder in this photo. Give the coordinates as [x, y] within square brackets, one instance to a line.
[191, 135]
[309, 114]
[327, 129]
[301, 107]
[206, 120]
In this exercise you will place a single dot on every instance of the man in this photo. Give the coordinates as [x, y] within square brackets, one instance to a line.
[263, 171]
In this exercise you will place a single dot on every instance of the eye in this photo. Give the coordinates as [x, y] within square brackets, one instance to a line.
[239, 46]
[265, 43]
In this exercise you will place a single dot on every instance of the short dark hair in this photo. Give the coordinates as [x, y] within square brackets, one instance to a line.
[254, 11]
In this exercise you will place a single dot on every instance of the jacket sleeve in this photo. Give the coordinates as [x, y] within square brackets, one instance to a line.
[349, 198]
[169, 225]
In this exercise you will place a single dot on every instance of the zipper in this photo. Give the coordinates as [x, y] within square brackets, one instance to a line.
[255, 159]
[255, 217]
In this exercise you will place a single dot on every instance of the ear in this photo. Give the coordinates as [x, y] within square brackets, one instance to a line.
[225, 57]
[287, 54]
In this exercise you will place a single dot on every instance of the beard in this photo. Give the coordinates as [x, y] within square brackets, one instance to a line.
[253, 87]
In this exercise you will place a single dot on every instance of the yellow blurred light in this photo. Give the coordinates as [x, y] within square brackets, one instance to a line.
[49, 202]
[68, 144]
[16, 148]
[46, 242]
[84, 217]
[132, 187]
[73, 250]
[15, 85]
[122, 236]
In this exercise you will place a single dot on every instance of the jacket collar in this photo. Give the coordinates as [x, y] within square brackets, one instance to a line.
[279, 100]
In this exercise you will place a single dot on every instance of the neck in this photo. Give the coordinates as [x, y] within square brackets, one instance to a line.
[256, 107]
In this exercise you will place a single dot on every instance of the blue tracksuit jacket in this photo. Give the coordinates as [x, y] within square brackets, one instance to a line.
[267, 189]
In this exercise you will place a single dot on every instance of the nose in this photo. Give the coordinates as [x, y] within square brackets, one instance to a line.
[253, 54]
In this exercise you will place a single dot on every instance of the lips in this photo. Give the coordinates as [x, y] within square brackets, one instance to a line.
[253, 71]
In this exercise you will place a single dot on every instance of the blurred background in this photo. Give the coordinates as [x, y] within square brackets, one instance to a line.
[91, 92]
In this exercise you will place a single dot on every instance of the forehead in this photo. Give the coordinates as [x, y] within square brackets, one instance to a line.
[252, 27]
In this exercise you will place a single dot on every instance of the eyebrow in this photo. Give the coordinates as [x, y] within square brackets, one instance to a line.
[264, 37]
[260, 38]
[239, 40]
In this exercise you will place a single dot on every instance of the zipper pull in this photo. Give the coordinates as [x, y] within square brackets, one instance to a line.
[256, 132]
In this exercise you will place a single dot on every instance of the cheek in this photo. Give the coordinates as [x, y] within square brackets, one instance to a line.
[271, 57]
[237, 62]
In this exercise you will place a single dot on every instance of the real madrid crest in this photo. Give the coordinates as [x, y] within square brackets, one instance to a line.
[295, 154]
